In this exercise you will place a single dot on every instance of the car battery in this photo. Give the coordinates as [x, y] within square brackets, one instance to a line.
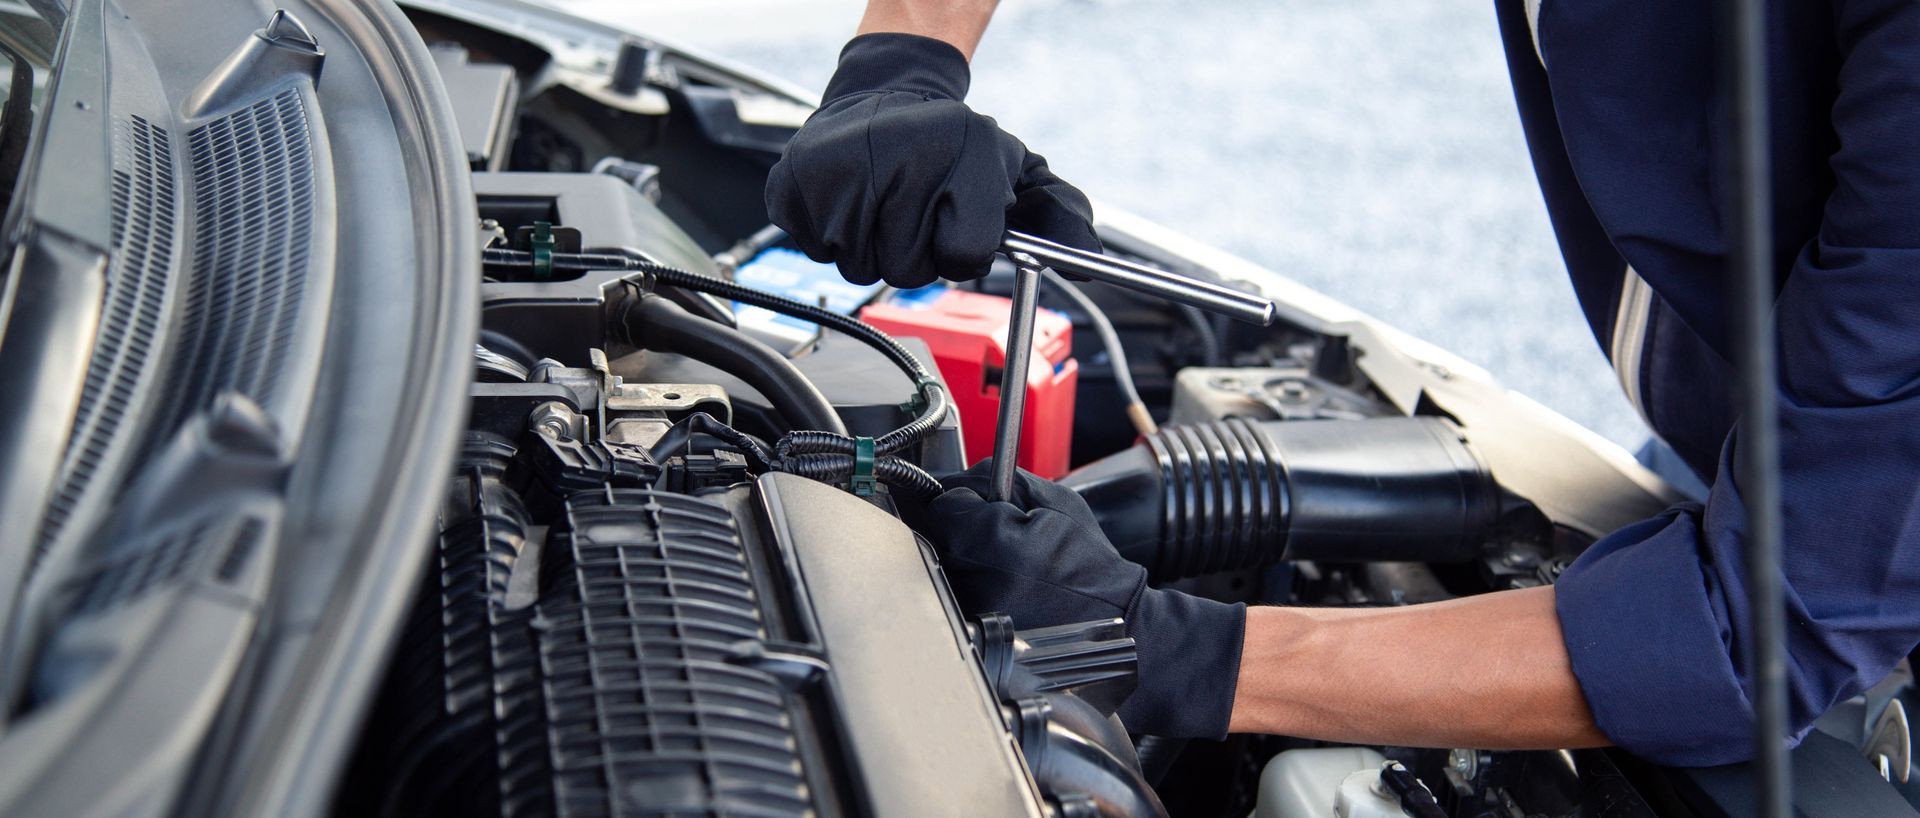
[786, 272]
[967, 332]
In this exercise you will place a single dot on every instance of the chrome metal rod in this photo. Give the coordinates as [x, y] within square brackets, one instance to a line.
[1140, 278]
[1013, 378]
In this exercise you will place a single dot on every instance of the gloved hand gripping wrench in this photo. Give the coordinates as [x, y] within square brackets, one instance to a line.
[1031, 254]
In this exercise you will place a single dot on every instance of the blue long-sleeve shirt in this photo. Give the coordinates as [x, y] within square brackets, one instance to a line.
[1623, 117]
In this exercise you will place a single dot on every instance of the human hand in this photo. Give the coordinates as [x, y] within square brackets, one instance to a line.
[1041, 558]
[895, 178]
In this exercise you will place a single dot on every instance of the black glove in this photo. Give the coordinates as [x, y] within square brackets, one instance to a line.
[895, 178]
[1042, 560]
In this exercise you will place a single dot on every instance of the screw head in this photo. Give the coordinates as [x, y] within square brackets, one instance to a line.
[1464, 762]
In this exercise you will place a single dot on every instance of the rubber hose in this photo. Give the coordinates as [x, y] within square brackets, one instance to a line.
[1066, 759]
[658, 324]
[938, 403]
[1207, 337]
[708, 308]
[1235, 495]
[746, 295]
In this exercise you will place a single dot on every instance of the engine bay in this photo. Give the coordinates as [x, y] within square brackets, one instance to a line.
[674, 575]
[415, 414]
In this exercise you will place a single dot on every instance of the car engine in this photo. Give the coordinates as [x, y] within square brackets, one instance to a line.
[674, 574]
[413, 413]
[638, 601]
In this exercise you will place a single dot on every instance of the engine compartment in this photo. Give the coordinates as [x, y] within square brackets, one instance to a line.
[641, 602]
[672, 575]
[447, 433]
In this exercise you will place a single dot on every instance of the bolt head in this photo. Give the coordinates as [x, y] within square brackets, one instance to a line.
[552, 419]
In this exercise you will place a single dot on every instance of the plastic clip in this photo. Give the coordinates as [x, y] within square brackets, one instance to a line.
[918, 403]
[864, 484]
[542, 244]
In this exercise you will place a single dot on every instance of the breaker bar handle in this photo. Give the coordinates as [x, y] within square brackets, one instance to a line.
[1142, 279]
[1029, 255]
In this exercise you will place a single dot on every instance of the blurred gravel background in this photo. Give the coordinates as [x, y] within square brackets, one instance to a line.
[1368, 148]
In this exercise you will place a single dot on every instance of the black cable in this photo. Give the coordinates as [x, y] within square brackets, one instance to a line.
[893, 471]
[681, 434]
[750, 247]
[1211, 352]
[502, 260]
[712, 309]
[1757, 467]
[823, 441]
[932, 393]
[1116, 356]
[825, 455]
[658, 324]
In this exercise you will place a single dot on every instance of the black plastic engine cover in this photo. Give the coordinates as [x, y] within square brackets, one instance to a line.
[781, 648]
[923, 732]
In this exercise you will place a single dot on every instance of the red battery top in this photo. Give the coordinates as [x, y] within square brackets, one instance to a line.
[968, 334]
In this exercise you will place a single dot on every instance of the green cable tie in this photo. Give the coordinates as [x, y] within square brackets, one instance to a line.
[542, 243]
[864, 483]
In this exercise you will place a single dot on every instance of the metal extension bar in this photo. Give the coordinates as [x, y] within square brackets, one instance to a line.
[1142, 279]
[1030, 254]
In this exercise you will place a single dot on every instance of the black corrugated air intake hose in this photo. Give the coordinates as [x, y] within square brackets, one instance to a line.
[1236, 494]
[834, 453]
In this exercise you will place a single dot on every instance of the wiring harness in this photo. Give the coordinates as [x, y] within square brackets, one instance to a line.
[860, 463]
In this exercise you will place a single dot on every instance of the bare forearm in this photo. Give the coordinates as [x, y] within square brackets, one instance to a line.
[1488, 672]
[958, 22]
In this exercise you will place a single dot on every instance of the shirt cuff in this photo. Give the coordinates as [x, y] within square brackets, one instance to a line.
[1649, 642]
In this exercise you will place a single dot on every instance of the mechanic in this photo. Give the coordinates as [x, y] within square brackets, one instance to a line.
[1643, 641]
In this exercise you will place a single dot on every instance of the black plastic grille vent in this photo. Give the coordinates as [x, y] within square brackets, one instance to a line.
[143, 229]
[431, 740]
[159, 561]
[253, 193]
[646, 712]
[162, 560]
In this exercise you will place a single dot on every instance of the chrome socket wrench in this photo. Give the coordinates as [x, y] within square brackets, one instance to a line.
[1031, 254]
